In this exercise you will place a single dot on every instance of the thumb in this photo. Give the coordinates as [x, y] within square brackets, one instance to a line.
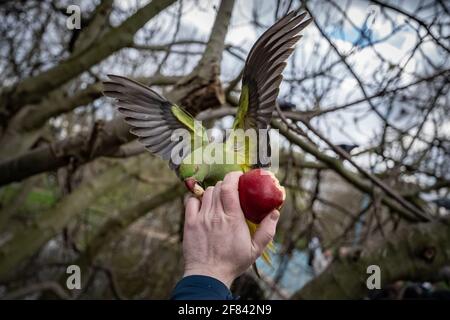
[265, 232]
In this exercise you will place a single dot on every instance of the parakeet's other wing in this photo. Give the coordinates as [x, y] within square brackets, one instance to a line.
[152, 118]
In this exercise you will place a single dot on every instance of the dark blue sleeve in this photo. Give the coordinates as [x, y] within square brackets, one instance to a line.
[201, 288]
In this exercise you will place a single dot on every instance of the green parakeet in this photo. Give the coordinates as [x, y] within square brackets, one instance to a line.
[153, 119]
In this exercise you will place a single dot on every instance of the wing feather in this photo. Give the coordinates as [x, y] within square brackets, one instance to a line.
[152, 118]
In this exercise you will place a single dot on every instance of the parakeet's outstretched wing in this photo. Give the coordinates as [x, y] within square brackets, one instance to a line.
[260, 85]
[153, 118]
[262, 73]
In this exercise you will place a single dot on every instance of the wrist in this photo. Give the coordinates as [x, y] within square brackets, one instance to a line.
[224, 277]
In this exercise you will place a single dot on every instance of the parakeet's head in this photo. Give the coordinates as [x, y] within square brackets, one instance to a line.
[193, 176]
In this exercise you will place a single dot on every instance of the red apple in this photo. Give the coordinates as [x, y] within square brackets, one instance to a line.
[260, 193]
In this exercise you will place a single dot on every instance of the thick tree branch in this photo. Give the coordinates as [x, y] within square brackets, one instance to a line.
[32, 90]
[202, 89]
[80, 149]
[98, 24]
[35, 116]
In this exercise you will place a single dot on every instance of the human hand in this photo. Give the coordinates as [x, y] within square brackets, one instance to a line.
[217, 241]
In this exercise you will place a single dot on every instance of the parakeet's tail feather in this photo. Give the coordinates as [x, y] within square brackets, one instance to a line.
[255, 268]
[270, 247]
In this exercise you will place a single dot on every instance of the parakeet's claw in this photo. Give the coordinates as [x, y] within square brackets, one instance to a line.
[193, 186]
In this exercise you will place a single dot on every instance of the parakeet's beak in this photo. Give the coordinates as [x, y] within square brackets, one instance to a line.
[193, 186]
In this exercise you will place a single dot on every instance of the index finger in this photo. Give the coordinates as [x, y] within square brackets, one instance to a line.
[230, 194]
